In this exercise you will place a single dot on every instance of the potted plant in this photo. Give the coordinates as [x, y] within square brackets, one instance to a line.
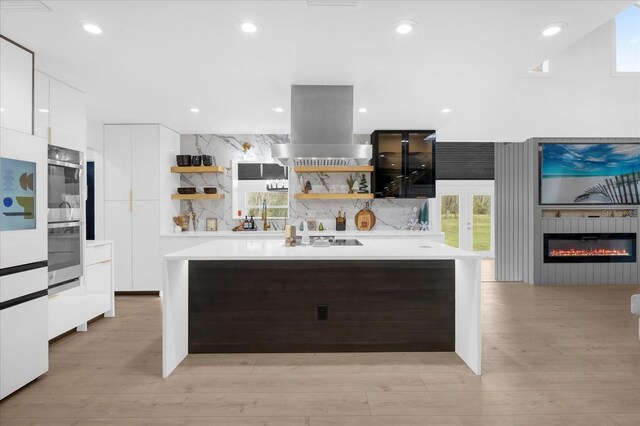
[350, 183]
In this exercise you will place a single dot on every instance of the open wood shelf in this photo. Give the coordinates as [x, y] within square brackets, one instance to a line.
[197, 169]
[197, 196]
[329, 196]
[332, 169]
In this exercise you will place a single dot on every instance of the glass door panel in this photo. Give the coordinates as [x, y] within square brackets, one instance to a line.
[450, 219]
[389, 174]
[481, 229]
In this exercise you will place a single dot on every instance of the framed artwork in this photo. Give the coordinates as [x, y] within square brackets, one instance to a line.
[212, 224]
[17, 194]
[589, 173]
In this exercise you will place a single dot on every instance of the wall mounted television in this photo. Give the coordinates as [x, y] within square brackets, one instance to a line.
[589, 173]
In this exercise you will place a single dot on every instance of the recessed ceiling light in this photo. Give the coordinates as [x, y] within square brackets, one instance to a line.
[43, 110]
[553, 29]
[91, 28]
[362, 109]
[248, 27]
[278, 109]
[405, 27]
[194, 109]
[446, 110]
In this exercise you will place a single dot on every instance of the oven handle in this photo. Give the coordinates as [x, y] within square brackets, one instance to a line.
[64, 286]
[65, 164]
[72, 224]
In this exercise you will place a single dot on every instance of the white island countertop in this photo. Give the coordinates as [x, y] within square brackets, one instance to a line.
[175, 300]
[371, 249]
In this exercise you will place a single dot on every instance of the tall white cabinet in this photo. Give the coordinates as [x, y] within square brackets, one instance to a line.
[137, 159]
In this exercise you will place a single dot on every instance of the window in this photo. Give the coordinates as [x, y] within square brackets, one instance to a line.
[277, 204]
[542, 68]
[627, 40]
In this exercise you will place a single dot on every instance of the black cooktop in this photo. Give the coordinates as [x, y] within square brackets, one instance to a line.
[332, 240]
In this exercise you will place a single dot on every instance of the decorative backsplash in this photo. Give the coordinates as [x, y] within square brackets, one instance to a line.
[390, 213]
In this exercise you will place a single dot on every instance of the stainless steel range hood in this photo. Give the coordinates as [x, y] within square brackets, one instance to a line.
[321, 129]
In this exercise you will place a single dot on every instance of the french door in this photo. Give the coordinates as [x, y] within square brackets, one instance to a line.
[466, 215]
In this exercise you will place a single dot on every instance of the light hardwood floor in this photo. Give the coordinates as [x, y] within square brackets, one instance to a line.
[552, 356]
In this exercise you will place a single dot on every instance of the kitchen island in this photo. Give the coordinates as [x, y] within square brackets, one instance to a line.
[259, 296]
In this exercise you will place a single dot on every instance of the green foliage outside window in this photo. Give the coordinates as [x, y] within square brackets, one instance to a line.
[277, 204]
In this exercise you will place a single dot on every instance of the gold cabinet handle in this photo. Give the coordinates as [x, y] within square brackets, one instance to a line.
[131, 200]
[49, 135]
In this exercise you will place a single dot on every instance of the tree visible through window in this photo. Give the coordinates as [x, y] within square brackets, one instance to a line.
[277, 204]
[628, 40]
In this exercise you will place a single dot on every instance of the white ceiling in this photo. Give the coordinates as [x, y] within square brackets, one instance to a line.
[156, 59]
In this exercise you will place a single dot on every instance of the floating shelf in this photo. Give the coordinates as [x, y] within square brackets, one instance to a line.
[328, 196]
[197, 169]
[332, 169]
[197, 196]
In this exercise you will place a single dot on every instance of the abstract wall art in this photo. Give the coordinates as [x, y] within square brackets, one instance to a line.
[17, 194]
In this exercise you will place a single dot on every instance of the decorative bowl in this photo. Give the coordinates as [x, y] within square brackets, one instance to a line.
[186, 190]
[207, 160]
[196, 160]
[210, 190]
[183, 160]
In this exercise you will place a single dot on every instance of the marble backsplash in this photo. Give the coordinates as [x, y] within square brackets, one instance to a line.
[390, 213]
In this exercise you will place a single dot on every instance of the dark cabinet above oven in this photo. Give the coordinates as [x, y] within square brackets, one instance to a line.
[404, 163]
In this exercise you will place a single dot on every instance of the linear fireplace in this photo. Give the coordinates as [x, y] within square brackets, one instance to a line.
[589, 248]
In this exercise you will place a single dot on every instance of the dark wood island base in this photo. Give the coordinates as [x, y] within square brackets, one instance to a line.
[238, 306]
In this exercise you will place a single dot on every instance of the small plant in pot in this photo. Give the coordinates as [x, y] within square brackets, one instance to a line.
[350, 183]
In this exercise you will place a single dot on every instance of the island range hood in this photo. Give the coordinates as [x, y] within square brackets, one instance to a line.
[321, 129]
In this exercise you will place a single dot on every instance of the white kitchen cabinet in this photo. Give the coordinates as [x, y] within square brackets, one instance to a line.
[41, 105]
[24, 347]
[117, 227]
[117, 163]
[16, 81]
[147, 267]
[144, 158]
[68, 310]
[137, 159]
[99, 279]
[67, 116]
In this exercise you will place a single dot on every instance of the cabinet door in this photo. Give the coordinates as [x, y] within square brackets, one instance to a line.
[41, 106]
[419, 166]
[98, 289]
[147, 274]
[67, 310]
[117, 163]
[24, 347]
[389, 178]
[67, 116]
[16, 81]
[144, 162]
[117, 227]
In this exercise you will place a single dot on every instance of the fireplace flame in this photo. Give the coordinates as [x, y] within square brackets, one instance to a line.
[589, 252]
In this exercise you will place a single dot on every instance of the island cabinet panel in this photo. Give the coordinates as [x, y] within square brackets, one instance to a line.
[276, 306]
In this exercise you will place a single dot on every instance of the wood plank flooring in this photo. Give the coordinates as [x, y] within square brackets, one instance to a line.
[552, 356]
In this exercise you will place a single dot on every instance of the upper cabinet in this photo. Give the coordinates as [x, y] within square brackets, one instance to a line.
[16, 83]
[60, 113]
[404, 163]
[41, 105]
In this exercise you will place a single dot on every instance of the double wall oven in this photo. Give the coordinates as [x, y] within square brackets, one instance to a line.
[65, 219]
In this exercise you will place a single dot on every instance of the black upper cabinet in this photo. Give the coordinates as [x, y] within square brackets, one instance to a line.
[404, 163]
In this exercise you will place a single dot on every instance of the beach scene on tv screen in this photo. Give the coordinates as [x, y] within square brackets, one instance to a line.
[590, 174]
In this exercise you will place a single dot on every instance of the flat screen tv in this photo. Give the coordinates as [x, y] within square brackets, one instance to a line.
[589, 173]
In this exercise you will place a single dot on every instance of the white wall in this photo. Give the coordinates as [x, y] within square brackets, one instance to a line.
[580, 98]
[95, 152]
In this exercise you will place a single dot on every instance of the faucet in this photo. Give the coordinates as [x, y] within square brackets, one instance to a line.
[265, 222]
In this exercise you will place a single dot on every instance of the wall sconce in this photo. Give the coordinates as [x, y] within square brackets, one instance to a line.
[246, 146]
